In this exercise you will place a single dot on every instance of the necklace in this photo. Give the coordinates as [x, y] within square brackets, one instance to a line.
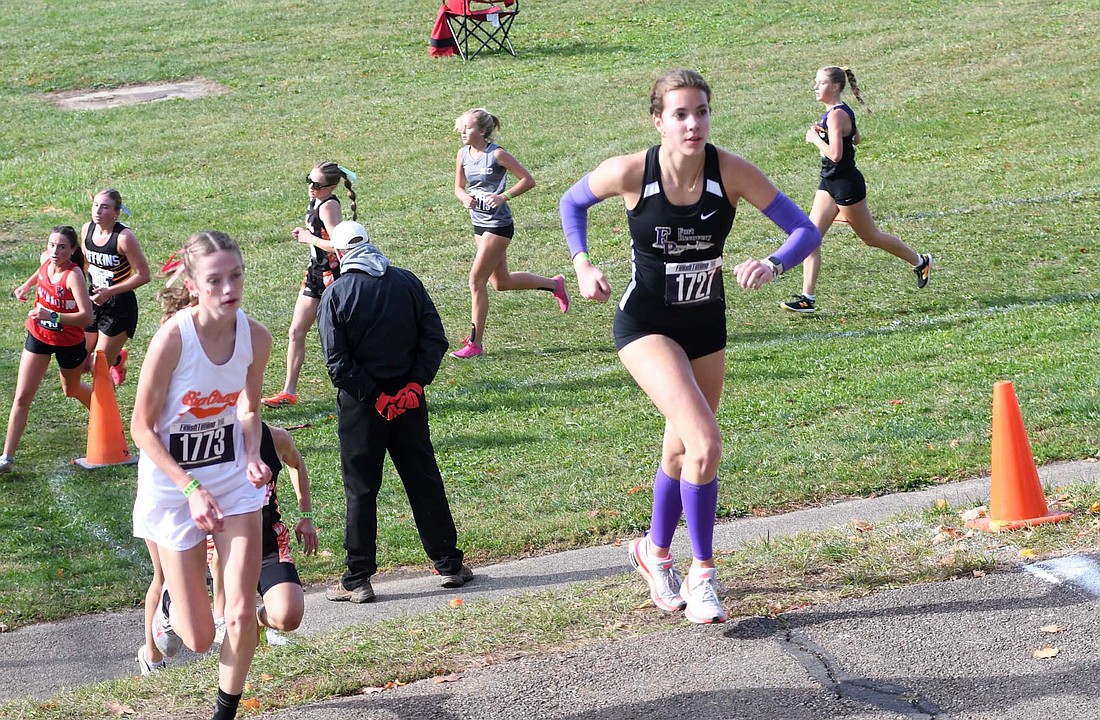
[696, 180]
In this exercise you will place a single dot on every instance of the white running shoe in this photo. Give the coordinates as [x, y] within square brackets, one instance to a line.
[219, 631]
[700, 590]
[147, 667]
[274, 638]
[661, 574]
[166, 641]
[7, 464]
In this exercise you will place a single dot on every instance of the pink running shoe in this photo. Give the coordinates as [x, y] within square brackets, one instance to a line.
[118, 372]
[468, 350]
[560, 293]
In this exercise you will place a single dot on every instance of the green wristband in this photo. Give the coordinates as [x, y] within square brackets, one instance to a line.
[508, 195]
[191, 486]
[306, 515]
[580, 257]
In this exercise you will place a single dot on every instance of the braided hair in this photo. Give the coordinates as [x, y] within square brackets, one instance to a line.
[333, 175]
[841, 75]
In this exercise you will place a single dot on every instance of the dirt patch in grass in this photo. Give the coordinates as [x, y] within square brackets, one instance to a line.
[135, 94]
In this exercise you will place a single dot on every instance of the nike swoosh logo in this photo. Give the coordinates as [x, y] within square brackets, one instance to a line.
[707, 215]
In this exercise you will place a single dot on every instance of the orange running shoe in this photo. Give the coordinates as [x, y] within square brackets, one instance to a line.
[282, 399]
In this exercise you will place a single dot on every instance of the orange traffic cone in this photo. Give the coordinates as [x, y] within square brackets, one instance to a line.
[106, 441]
[1016, 498]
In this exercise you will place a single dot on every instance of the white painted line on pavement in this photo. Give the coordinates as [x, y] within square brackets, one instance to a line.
[1078, 570]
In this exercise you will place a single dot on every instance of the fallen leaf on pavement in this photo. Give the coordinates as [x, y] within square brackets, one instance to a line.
[251, 703]
[1028, 553]
[941, 504]
[370, 690]
[267, 676]
[450, 677]
[3, 627]
[862, 525]
[457, 602]
[1095, 507]
[1044, 653]
[120, 709]
[1052, 628]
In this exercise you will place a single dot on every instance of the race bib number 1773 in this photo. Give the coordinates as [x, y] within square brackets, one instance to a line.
[198, 443]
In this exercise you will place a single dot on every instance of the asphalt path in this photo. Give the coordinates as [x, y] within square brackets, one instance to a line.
[961, 649]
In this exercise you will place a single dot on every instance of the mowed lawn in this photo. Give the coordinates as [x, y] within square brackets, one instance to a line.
[981, 149]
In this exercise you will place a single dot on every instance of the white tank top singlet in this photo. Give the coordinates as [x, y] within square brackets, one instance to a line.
[199, 423]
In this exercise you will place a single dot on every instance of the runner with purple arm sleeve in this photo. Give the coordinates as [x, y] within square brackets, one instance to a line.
[670, 329]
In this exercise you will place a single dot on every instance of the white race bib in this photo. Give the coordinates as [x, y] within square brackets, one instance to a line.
[693, 283]
[198, 443]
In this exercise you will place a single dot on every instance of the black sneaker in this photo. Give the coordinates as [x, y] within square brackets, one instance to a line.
[458, 579]
[799, 304]
[923, 271]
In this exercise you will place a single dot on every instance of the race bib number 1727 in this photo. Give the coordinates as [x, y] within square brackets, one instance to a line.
[693, 283]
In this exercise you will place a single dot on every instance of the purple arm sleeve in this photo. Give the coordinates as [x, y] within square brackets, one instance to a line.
[574, 215]
[802, 235]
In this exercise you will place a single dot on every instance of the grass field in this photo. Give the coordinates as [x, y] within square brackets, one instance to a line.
[980, 150]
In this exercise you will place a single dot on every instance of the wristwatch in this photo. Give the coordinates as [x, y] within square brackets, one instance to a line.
[777, 264]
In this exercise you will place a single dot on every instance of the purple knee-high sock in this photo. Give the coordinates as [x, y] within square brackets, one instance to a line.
[667, 508]
[700, 508]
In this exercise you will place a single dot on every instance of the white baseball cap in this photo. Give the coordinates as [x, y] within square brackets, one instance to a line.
[347, 234]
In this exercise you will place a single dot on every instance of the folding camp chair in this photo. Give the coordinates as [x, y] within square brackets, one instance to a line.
[480, 24]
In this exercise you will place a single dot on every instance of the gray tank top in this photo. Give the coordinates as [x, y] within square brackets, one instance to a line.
[485, 176]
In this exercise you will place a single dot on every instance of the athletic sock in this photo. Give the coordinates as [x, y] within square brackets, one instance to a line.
[667, 508]
[700, 508]
[808, 297]
[923, 260]
[226, 706]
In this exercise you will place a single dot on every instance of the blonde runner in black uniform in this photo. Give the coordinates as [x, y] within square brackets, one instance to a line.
[680, 198]
[842, 191]
[116, 267]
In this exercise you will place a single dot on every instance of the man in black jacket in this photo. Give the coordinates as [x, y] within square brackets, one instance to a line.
[383, 342]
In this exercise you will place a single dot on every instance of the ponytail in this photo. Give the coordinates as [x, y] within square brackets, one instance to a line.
[69, 233]
[842, 75]
[851, 76]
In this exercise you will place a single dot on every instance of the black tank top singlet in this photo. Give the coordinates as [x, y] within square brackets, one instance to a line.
[270, 511]
[317, 227]
[848, 146]
[676, 251]
[106, 265]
